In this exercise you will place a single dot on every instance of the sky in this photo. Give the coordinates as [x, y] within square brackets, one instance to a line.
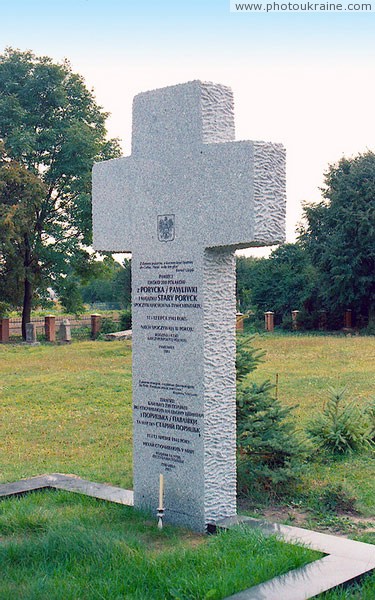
[305, 79]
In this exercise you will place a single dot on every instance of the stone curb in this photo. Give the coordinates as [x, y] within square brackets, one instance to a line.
[70, 483]
[345, 560]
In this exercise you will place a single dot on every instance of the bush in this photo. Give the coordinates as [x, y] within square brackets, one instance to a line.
[341, 427]
[247, 358]
[108, 325]
[370, 414]
[369, 330]
[81, 333]
[286, 323]
[125, 320]
[308, 320]
[255, 321]
[270, 454]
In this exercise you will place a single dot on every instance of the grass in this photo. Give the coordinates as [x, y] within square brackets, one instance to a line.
[307, 366]
[66, 409]
[60, 545]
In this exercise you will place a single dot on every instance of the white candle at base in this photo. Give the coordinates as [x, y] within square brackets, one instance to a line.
[161, 490]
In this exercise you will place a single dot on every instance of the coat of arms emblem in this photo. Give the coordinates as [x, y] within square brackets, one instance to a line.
[166, 226]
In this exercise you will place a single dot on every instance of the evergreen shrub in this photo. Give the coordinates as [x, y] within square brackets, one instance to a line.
[125, 320]
[342, 427]
[270, 454]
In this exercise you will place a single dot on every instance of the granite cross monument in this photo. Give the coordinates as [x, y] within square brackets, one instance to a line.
[187, 197]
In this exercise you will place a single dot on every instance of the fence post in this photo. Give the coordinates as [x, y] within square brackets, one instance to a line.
[295, 324]
[96, 323]
[4, 330]
[50, 328]
[269, 320]
[348, 318]
[240, 317]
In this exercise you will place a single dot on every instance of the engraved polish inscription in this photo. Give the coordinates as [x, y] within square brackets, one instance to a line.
[168, 414]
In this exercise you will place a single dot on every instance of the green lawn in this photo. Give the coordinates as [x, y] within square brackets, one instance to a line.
[68, 409]
[60, 545]
[307, 366]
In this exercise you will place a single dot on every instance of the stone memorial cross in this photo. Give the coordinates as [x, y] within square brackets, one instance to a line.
[187, 197]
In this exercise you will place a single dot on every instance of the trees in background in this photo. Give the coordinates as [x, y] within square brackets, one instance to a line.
[21, 196]
[339, 236]
[112, 284]
[123, 284]
[332, 265]
[283, 282]
[52, 131]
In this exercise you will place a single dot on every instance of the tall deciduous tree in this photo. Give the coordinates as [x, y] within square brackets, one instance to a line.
[339, 235]
[21, 196]
[112, 283]
[52, 130]
[283, 282]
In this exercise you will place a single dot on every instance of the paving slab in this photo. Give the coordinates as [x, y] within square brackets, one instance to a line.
[70, 483]
[345, 560]
[304, 583]
[23, 486]
[96, 490]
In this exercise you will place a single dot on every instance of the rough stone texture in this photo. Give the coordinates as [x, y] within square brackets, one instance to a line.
[181, 203]
[269, 180]
[219, 372]
[217, 108]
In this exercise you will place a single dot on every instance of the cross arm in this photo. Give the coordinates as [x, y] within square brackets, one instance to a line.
[225, 194]
[241, 191]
